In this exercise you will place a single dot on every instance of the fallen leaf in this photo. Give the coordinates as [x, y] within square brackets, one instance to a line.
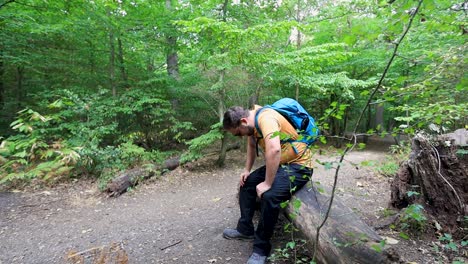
[390, 241]
[216, 199]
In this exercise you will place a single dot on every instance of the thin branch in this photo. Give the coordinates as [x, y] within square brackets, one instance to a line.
[171, 245]
[397, 44]
[85, 251]
[6, 3]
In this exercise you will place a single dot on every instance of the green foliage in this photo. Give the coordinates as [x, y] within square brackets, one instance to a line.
[413, 218]
[449, 243]
[199, 145]
[379, 247]
[388, 168]
[287, 253]
[88, 135]
[31, 154]
[391, 164]
[110, 89]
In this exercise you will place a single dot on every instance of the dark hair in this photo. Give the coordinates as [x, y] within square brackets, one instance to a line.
[233, 116]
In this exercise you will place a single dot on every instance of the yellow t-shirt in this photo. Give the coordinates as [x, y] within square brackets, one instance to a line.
[269, 122]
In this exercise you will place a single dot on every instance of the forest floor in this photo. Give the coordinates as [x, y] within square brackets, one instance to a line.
[178, 217]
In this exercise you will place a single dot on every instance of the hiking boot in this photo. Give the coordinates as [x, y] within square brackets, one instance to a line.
[256, 258]
[234, 234]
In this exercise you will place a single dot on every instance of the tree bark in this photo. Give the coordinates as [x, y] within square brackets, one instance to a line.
[172, 59]
[439, 175]
[19, 86]
[132, 177]
[344, 238]
[112, 62]
[379, 117]
[221, 109]
[2, 86]
[122, 63]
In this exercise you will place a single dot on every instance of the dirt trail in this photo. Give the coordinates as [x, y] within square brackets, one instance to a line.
[185, 211]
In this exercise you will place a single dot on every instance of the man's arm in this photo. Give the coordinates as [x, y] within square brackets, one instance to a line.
[251, 147]
[272, 160]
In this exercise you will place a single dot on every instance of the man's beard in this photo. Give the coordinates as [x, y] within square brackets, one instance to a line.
[250, 131]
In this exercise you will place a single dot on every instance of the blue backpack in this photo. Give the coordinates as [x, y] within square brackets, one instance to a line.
[297, 116]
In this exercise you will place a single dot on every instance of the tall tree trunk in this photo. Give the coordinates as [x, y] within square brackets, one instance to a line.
[149, 61]
[122, 63]
[112, 62]
[368, 123]
[222, 98]
[379, 117]
[2, 86]
[19, 86]
[221, 109]
[172, 59]
[91, 58]
[297, 92]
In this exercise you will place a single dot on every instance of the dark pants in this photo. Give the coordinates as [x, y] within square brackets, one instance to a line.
[270, 203]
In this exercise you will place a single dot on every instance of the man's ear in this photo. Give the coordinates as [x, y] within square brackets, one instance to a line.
[244, 121]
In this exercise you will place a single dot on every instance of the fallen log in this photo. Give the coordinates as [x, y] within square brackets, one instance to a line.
[132, 177]
[344, 238]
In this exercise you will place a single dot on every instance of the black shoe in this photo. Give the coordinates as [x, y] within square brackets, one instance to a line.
[234, 234]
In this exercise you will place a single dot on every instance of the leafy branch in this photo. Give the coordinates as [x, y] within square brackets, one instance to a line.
[348, 148]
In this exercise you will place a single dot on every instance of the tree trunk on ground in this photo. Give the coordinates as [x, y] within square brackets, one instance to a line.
[439, 175]
[132, 177]
[344, 238]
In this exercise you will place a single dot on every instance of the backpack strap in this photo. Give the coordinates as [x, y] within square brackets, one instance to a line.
[257, 127]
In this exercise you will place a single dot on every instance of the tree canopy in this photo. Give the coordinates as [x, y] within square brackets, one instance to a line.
[92, 87]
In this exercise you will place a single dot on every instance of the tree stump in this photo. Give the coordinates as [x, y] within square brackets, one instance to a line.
[439, 175]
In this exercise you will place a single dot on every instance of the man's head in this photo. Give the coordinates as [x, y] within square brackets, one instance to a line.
[236, 121]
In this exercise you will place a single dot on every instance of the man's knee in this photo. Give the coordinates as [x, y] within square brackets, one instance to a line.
[270, 199]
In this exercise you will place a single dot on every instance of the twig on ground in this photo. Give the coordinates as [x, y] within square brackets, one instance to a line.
[171, 245]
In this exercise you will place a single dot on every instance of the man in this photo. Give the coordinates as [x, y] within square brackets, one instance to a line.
[288, 167]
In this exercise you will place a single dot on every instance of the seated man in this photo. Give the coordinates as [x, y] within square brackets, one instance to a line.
[288, 167]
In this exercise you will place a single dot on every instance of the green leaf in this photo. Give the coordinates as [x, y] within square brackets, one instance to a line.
[284, 204]
[377, 248]
[404, 235]
[297, 204]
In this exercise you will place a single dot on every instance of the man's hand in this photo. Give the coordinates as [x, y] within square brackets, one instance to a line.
[243, 177]
[261, 188]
